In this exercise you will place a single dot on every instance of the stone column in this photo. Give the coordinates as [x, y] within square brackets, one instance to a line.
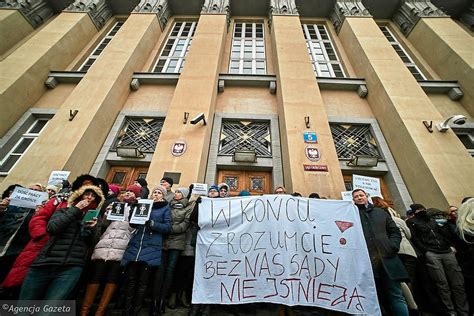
[436, 167]
[195, 93]
[74, 145]
[298, 97]
[443, 43]
[23, 72]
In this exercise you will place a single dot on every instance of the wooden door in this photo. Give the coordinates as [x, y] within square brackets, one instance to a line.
[383, 187]
[125, 176]
[256, 182]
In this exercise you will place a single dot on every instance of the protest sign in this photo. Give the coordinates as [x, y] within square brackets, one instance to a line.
[346, 195]
[284, 250]
[369, 184]
[23, 197]
[57, 177]
[117, 213]
[200, 188]
[141, 212]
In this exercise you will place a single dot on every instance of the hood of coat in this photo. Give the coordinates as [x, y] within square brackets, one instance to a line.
[77, 194]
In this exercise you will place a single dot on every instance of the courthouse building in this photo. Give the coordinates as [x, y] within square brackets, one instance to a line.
[255, 93]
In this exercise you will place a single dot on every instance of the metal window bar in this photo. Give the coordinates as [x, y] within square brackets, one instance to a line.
[248, 49]
[404, 56]
[351, 140]
[142, 133]
[173, 54]
[100, 47]
[22, 145]
[245, 135]
[321, 51]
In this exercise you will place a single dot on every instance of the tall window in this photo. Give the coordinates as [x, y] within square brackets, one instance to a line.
[321, 51]
[22, 145]
[174, 53]
[407, 60]
[352, 140]
[98, 50]
[248, 49]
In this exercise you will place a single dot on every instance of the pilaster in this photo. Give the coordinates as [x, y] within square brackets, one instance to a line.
[301, 109]
[98, 10]
[434, 166]
[160, 7]
[195, 93]
[12, 20]
[24, 71]
[411, 11]
[98, 98]
[347, 8]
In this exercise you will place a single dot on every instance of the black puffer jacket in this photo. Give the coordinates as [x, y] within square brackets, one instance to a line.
[70, 241]
[427, 235]
[14, 230]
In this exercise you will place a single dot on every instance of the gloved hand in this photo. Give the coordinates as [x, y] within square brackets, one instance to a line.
[150, 223]
[198, 200]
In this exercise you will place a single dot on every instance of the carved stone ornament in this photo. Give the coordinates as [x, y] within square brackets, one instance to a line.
[216, 7]
[98, 10]
[283, 7]
[160, 7]
[344, 8]
[36, 12]
[411, 11]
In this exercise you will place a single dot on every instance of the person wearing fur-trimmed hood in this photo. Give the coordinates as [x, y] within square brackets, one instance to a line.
[57, 269]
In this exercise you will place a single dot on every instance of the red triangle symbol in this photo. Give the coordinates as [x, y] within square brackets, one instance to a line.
[343, 226]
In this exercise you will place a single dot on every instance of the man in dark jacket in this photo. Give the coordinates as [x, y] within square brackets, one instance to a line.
[434, 242]
[383, 242]
[144, 192]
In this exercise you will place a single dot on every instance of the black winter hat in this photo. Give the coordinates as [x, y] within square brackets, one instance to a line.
[104, 186]
[80, 180]
[415, 207]
[168, 179]
[142, 182]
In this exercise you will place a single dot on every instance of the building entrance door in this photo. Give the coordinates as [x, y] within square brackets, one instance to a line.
[256, 182]
[125, 176]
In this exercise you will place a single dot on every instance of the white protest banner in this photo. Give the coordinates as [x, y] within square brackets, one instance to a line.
[200, 188]
[117, 213]
[141, 212]
[57, 177]
[369, 184]
[23, 197]
[285, 250]
[346, 195]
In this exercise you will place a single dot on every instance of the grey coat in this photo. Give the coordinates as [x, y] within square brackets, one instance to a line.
[113, 242]
[180, 221]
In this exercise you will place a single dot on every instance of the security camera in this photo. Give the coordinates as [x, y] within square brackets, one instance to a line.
[199, 118]
[456, 119]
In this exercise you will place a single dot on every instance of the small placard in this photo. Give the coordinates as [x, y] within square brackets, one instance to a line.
[346, 195]
[310, 137]
[56, 177]
[23, 197]
[117, 213]
[322, 168]
[141, 212]
[200, 188]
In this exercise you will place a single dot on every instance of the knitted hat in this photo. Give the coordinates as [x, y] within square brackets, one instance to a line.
[53, 188]
[415, 207]
[135, 189]
[223, 186]
[114, 188]
[184, 191]
[167, 179]
[161, 188]
[244, 193]
[436, 212]
[142, 182]
[213, 187]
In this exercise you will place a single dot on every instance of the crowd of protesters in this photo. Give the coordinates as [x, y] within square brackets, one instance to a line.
[423, 262]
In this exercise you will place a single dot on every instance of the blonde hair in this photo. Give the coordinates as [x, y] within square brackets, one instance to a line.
[465, 221]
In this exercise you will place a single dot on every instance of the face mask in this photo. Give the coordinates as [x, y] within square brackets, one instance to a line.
[441, 221]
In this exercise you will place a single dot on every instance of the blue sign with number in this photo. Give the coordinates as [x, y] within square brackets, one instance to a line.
[310, 137]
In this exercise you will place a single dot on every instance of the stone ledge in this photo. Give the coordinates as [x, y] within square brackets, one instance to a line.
[153, 78]
[57, 77]
[351, 84]
[238, 80]
[451, 88]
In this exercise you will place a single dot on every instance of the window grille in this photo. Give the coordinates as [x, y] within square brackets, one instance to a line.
[407, 60]
[142, 133]
[245, 135]
[352, 140]
[321, 51]
[22, 145]
[466, 136]
[99, 48]
[248, 49]
[173, 54]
